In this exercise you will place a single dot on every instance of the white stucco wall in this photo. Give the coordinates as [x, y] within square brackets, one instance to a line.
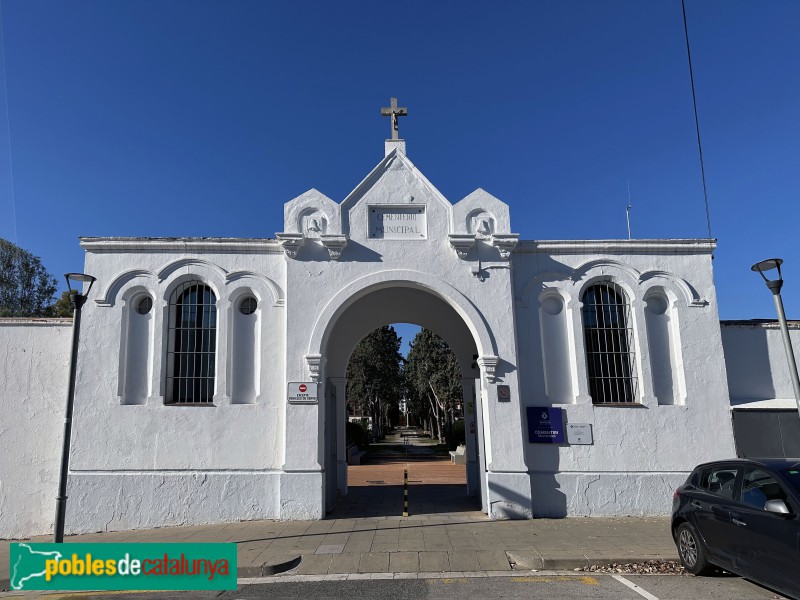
[34, 368]
[324, 284]
[758, 372]
[148, 463]
[641, 451]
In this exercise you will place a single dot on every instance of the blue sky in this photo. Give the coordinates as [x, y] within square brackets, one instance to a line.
[195, 118]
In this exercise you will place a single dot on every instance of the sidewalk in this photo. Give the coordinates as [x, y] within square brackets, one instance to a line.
[445, 532]
[415, 544]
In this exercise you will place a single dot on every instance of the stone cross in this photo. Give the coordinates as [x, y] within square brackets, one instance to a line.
[394, 111]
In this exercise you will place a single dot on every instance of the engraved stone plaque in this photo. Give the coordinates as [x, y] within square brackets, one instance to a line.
[397, 222]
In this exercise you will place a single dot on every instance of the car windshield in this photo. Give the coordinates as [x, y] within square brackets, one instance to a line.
[792, 475]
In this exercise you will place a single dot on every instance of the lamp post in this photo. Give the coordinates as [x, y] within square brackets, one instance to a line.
[78, 300]
[775, 286]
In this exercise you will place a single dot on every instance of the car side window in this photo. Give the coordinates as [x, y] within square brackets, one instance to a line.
[719, 480]
[758, 486]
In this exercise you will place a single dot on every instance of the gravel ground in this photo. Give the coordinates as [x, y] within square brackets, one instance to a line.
[657, 567]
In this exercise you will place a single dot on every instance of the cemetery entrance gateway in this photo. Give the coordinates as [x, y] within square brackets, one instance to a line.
[381, 304]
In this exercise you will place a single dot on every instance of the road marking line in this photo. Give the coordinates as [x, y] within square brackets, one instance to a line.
[641, 591]
[82, 594]
[558, 578]
[452, 577]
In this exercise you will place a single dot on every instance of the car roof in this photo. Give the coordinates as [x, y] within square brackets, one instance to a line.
[773, 463]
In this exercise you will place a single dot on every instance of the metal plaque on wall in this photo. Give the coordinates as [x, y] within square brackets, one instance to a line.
[579, 433]
[304, 392]
[545, 425]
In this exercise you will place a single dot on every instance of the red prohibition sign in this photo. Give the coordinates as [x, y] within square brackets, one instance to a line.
[302, 387]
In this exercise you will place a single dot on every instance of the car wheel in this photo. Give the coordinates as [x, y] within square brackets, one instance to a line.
[691, 550]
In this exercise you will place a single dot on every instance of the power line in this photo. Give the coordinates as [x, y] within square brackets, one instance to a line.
[696, 120]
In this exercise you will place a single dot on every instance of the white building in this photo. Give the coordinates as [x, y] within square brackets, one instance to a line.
[189, 347]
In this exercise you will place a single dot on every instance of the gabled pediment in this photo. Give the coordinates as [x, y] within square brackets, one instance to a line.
[479, 206]
[311, 206]
[394, 181]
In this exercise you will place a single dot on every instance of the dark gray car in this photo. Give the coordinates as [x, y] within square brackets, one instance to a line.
[742, 515]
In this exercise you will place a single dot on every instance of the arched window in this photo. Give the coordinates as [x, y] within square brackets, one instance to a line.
[191, 350]
[609, 343]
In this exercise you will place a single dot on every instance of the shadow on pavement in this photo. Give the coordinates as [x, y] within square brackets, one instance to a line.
[378, 500]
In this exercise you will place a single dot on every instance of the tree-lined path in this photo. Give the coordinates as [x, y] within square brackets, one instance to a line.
[437, 488]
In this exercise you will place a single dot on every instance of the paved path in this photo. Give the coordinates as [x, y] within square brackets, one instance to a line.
[436, 488]
[417, 544]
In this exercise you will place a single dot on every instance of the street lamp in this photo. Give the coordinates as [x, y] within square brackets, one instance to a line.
[78, 300]
[775, 286]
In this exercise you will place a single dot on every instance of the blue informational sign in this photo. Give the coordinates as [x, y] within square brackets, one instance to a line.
[545, 425]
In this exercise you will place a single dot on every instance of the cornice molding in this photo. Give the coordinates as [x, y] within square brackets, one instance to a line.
[657, 246]
[226, 245]
[273, 246]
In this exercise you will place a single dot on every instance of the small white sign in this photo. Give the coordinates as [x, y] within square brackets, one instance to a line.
[397, 222]
[303, 392]
[579, 433]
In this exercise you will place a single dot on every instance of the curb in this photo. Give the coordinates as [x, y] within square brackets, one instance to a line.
[265, 570]
[268, 569]
[522, 561]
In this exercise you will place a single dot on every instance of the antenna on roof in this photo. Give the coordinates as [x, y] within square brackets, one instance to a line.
[628, 210]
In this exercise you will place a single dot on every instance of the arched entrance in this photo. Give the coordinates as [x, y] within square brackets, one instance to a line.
[428, 304]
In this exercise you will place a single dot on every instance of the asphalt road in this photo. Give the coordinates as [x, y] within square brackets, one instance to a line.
[535, 586]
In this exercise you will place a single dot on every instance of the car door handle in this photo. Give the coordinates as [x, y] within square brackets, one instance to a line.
[738, 522]
[696, 504]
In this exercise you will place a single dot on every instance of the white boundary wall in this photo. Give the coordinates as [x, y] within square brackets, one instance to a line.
[758, 372]
[34, 367]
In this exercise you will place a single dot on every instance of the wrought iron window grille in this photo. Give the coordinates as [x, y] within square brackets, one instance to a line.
[609, 345]
[192, 342]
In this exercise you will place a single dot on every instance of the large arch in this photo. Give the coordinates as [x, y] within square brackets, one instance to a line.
[386, 305]
[400, 279]
[381, 299]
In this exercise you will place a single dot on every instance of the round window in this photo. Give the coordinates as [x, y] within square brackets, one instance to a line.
[656, 304]
[144, 305]
[248, 306]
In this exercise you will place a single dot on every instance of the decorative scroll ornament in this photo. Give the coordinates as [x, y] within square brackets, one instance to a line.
[314, 365]
[505, 243]
[461, 243]
[488, 365]
[291, 243]
[334, 243]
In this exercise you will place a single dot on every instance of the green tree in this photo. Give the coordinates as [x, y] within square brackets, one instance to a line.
[26, 288]
[433, 380]
[374, 377]
[62, 307]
